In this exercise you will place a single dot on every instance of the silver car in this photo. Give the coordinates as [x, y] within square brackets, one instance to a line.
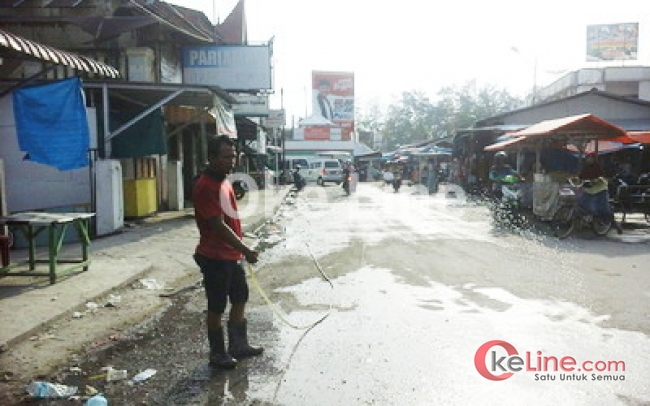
[325, 170]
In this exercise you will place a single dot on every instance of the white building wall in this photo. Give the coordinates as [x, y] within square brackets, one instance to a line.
[644, 90]
[622, 80]
[33, 186]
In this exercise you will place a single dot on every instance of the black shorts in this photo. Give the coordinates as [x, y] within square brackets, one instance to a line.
[222, 280]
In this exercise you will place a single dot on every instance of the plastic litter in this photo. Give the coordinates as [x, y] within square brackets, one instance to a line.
[151, 284]
[116, 374]
[40, 389]
[97, 400]
[143, 376]
[113, 300]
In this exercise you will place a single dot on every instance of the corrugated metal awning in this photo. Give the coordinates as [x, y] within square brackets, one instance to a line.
[56, 56]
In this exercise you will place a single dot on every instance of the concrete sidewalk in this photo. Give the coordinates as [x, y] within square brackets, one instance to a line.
[29, 303]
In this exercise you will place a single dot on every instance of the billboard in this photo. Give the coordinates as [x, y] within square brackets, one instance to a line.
[333, 99]
[231, 67]
[611, 42]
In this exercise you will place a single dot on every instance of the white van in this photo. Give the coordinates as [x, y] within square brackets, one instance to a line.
[324, 170]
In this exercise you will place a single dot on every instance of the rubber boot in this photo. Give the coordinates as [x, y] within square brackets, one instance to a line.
[238, 345]
[617, 226]
[218, 356]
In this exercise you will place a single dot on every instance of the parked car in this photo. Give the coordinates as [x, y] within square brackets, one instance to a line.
[324, 170]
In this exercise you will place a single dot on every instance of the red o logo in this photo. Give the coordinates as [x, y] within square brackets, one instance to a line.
[479, 359]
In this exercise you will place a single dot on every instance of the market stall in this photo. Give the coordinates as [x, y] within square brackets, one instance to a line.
[577, 131]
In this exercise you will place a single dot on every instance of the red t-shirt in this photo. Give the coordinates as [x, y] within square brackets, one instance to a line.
[212, 198]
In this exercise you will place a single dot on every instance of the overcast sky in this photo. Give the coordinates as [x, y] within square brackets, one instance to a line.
[406, 45]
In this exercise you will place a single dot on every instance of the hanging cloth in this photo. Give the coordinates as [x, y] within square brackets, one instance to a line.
[51, 124]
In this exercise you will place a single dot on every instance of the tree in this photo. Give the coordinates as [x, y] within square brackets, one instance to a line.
[463, 106]
[415, 118]
[371, 121]
[409, 120]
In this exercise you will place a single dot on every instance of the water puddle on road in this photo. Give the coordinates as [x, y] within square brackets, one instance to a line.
[392, 343]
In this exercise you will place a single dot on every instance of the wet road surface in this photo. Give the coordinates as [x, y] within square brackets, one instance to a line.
[418, 284]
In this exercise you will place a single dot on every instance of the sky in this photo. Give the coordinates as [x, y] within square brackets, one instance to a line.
[423, 45]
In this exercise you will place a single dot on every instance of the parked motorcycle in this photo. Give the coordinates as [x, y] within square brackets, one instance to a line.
[630, 194]
[507, 210]
[570, 216]
[240, 187]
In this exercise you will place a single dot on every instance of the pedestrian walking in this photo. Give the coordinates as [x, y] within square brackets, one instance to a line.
[218, 254]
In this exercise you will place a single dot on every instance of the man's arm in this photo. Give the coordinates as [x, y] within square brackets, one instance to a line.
[222, 229]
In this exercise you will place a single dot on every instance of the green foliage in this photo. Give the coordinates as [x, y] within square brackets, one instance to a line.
[414, 117]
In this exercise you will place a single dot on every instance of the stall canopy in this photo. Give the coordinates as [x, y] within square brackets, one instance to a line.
[604, 147]
[573, 129]
[640, 136]
[46, 53]
[433, 150]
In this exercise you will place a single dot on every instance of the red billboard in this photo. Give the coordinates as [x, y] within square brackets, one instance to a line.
[333, 99]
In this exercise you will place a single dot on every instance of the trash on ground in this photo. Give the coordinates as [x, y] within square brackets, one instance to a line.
[92, 306]
[113, 300]
[143, 376]
[97, 400]
[104, 342]
[41, 337]
[150, 284]
[90, 390]
[115, 374]
[77, 315]
[40, 389]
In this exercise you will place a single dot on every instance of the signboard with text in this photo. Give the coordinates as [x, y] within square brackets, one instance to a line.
[249, 105]
[231, 67]
[611, 42]
[275, 119]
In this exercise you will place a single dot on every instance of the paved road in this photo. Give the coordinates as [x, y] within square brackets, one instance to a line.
[420, 284]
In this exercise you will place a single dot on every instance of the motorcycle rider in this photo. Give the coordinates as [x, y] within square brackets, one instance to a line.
[397, 178]
[298, 181]
[498, 171]
[345, 180]
[595, 196]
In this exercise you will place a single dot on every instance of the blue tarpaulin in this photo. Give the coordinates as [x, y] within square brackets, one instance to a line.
[51, 124]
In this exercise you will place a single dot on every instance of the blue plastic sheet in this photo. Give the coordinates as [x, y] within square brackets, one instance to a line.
[51, 124]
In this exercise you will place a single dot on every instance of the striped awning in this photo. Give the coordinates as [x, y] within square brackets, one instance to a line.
[56, 56]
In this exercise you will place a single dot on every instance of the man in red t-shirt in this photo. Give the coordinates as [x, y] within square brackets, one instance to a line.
[218, 254]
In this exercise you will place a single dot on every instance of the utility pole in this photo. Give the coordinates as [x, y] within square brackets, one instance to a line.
[525, 58]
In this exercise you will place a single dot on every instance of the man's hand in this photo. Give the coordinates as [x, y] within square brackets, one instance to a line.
[251, 256]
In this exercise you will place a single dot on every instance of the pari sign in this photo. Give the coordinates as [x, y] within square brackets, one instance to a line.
[231, 67]
[498, 360]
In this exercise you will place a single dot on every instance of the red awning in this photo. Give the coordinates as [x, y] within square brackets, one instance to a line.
[56, 56]
[640, 136]
[583, 127]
